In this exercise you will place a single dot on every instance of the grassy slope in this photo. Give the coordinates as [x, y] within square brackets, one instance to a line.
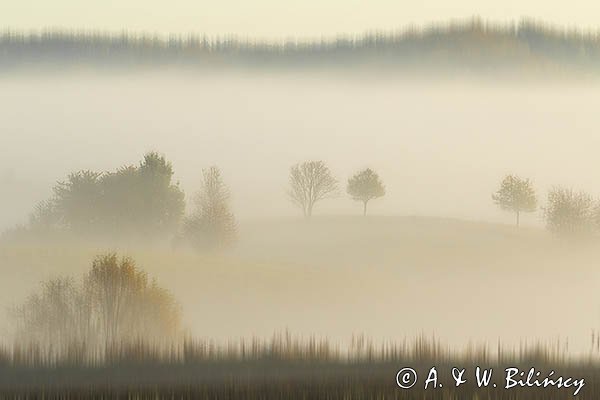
[388, 277]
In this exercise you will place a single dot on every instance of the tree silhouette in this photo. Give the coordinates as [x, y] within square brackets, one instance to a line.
[78, 199]
[570, 213]
[311, 182]
[45, 217]
[365, 186]
[212, 225]
[114, 305]
[160, 201]
[139, 200]
[516, 195]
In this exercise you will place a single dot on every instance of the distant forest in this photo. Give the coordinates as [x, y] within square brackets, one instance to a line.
[463, 46]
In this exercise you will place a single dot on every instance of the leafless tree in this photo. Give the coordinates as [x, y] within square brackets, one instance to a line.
[310, 182]
[56, 318]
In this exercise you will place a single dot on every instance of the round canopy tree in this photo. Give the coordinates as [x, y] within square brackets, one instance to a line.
[365, 186]
[516, 195]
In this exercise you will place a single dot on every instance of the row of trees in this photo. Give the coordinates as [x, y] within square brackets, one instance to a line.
[144, 201]
[567, 212]
[312, 181]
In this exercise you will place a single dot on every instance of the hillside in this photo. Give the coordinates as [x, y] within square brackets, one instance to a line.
[456, 47]
[387, 277]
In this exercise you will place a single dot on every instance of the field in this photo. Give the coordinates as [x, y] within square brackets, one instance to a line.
[386, 277]
[388, 280]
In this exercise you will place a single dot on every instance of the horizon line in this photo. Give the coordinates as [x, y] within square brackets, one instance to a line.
[448, 25]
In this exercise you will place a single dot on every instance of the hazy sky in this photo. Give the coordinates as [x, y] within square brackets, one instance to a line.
[279, 19]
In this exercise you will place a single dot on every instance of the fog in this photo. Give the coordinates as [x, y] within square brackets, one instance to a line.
[425, 138]
[441, 148]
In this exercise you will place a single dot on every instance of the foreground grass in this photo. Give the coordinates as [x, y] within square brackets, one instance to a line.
[265, 380]
[285, 368]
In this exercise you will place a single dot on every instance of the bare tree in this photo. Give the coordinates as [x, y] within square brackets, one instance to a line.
[310, 182]
[56, 318]
[365, 186]
[212, 225]
[516, 195]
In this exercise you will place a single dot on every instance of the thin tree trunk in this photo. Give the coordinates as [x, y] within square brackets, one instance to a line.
[364, 208]
[517, 219]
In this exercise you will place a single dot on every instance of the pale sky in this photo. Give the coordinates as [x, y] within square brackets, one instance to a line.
[277, 19]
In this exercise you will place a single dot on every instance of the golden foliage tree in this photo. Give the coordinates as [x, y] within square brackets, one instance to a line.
[114, 305]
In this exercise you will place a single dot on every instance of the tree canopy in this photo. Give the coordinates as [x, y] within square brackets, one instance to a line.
[516, 195]
[364, 186]
[140, 200]
[570, 213]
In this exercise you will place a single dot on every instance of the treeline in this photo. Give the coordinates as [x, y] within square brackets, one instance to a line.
[472, 43]
[144, 202]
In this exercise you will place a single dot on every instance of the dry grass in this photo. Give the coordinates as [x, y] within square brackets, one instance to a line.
[282, 367]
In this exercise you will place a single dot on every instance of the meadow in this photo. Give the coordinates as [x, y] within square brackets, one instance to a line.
[388, 278]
